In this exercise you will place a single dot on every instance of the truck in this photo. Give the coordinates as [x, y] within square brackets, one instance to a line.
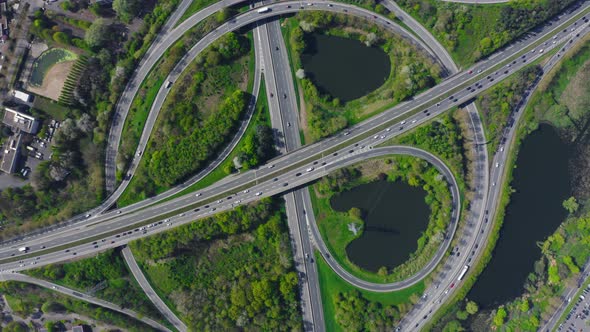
[462, 274]
[23, 249]
[263, 10]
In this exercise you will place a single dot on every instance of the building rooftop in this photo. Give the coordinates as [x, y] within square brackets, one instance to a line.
[20, 121]
[10, 155]
[22, 96]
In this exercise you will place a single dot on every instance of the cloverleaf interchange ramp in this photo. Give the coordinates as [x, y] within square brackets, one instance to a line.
[372, 125]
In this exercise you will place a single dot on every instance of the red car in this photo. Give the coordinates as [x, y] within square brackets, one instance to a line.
[471, 72]
[452, 285]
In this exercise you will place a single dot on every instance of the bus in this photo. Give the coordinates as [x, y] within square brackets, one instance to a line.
[462, 274]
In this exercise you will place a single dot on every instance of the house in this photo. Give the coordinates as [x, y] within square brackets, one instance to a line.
[22, 96]
[79, 328]
[19, 121]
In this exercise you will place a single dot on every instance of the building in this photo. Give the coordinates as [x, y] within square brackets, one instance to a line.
[10, 154]
[79, 328]
[22, 96]
[19, 121]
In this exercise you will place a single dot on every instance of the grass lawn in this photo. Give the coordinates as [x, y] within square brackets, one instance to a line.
[52, 108]
[331, 284]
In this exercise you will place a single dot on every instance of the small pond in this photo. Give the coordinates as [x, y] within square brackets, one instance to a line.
[344, 68]
[395, 216]
[45, 61]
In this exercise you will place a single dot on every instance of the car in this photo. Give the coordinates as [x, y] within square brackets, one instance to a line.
[471, 72]
[414, 121]
[275, 179]
[298, 174]
[497, 165]
[246, 191]
[388, 129]
[53, 287]
[376, 137]
[284, 95]
[118, 211]
[259, 193]
[271, 166]
[309, 169]
[403, 122]
[197, 194]
[346, 133]
[277, 48]
[87, 216]
[501, 148]
[452, 285]
[288, 124]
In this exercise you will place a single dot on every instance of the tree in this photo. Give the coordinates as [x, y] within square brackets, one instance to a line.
[500, 316]
[462, 315]
[98, 33]
[61, 37]
[471, 307]
[126, 9]
[524, 305]
[571, 205]
[453, 326]
[300, 73]
[355, 213]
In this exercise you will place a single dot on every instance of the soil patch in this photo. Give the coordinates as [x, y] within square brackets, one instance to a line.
[54, 80]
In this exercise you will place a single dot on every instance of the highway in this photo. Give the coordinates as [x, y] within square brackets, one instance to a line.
[444, 289]
[340, 143]
[233, 24]
[83, 297]
[285, 168]
[279, 82]
[149, 291]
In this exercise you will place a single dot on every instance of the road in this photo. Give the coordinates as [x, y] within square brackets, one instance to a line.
[231, 25]
[285, 122]
[420, 314]
[424, 34]
[150, 59]
[83, 297]
[568, 295]
[357, 139]
[149, 291]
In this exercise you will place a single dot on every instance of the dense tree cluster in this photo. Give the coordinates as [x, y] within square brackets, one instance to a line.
[356, 313]
[499, 102]
[127, 9]
[258, 148]
[198, 118]
[231, 271]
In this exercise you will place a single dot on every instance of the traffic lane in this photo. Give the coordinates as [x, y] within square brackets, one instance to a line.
[445, 171]
[402, 108]
[496, 171]
[266, 189]
[236, 23]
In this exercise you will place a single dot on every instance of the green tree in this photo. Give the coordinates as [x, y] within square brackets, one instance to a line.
[126, 9]
[571, 205]
[471, 307]
[98, 33]
[355, 213]
[61, 37]
[500, 316]
[462, 315]
[524, 305]
[453, 326]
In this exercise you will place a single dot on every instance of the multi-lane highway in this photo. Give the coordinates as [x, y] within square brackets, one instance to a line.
[293, 169]
[474, 245]
[435, 99]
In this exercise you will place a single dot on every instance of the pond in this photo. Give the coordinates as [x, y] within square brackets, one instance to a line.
[45, 61]
[542, 183]
[344, 68]
[395, 215]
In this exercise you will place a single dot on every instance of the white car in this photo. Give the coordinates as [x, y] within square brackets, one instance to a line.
[259, 193]
[246, 191]
[309, 169]
[271, 166]
[403, 122]
[197, 194]
[497, 165]
[388, 129]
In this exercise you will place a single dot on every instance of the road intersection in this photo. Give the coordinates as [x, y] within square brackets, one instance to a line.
[321, 158]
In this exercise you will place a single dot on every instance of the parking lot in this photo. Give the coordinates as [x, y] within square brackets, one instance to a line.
[577, 319]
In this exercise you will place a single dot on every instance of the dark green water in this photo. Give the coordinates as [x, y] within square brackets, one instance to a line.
[542, 183]
[344, 68]
[395, 217]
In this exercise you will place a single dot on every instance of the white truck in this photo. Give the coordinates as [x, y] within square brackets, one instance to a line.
[23, 249]
[263, 10]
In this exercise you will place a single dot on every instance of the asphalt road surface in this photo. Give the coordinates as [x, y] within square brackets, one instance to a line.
[315, 152]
